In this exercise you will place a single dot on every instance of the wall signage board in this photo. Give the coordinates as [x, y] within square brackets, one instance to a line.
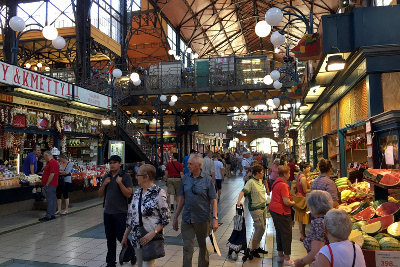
[117, 148]
[42, 105]
[23, 78]
[260, 115]
[89, 97]
[333, 118]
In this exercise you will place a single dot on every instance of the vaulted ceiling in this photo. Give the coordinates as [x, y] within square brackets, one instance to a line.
[227, 26]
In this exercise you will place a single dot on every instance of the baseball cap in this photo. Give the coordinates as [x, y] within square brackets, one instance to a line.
[115, 158]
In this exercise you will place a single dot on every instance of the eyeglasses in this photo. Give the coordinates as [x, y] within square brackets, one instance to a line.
[140, 175]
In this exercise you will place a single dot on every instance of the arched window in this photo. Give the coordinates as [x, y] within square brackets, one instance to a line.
[264, 145]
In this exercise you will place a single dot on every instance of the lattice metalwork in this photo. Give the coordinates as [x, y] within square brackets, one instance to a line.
[353, 107]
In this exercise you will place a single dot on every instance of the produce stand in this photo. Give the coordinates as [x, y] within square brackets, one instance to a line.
[381, 192]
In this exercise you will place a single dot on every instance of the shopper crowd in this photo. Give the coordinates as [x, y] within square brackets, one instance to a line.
[196, 185]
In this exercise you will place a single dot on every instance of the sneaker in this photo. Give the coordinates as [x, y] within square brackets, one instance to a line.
[172, 208]
[288, 263]
[255, 254]
[261, 251]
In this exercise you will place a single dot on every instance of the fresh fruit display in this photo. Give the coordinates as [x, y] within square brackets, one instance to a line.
[357, 237]
[392, 199]
[365, 214]
[394, 230]
[379, 236]
[358, 225]
[362, 187]
[355, 198]
[342, 182]
[363, 205]
[388, 208]
[390, 179]
[370, 243]
[373, 228]
[349, 207]
[386, 221]
[377, 203]
[389, 243]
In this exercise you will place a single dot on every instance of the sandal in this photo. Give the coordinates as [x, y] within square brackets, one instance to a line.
[57, 213]
[64, 212]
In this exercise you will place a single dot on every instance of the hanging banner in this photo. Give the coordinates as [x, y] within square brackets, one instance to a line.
[89, 97]
[261, 115]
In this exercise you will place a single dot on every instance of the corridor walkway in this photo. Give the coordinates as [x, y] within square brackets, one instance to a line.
[78, 238]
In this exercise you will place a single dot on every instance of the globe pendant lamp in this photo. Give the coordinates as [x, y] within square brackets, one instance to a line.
[277, 39]
[59, 42]
[273, 16]
[268, 80]
[117, 73]
[275, 75]
[137, 83]
[262, 29]
[17, 24]
[277, 84]
[50, 32]
[270, 102]
[276, 101]
[163, 98]
[174, 98]
[171, 103]
[135, 77]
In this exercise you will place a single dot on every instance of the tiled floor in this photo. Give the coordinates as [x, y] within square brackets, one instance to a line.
[78, 239]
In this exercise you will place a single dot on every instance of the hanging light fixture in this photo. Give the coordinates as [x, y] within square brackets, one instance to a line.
[28, 65]
[171, 103]
[171, 52]
[276, 101]
[39, 65]
[17, 24]
[137, 83]
[117, 73]
[262, 29]
[135, 77]
[163, 98]
[277, 84]
[270, 102]
[335, 63]
[277, 39]
[268, 80]
[58, 42]
[275, 75]
[277, 50]
[195, 55]
[273, 16]
[174, 98]
[50, 32]
[189, 50]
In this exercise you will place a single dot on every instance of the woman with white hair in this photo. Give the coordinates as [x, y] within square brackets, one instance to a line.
[340, 252]
[319, 203]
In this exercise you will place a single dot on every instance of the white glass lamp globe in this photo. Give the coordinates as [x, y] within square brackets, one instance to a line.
[277, 84]
[135, 77]
[39, 65]
[117, 73]
[171, 52]
[174, 98]
[273, 16]
[277, 101]
[268, 80]
[28, 65]
[276, 50]
[189, 50]
[50, 32]
[275, 75]
[137, 83]
[270, 102]
[59, 42]
[277, 39]
[262, 29]
[196, 55]
[177, 57]
[171, 103]
[17, 24]
[163, 98]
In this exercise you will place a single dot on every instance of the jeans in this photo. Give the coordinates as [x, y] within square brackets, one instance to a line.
[114, 226]
[201, 230]
[51, 201]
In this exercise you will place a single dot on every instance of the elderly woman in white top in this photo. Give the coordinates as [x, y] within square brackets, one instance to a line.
[154, 209]
[340, 252]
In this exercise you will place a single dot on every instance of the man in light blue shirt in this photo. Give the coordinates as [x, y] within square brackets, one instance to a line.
[197, 197]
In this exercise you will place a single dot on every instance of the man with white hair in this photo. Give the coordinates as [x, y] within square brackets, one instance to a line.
[198, 196]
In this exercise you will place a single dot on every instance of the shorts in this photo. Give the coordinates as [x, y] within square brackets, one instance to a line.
[173, 186]
[218, 184]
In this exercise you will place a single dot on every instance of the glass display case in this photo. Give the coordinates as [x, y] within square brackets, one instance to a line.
[82, 150]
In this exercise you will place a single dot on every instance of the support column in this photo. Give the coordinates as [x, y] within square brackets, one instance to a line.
[325, 147]
[342, 152]
[162, 133]
[82, 26]
[374, 94]
[8, 35]
[122, 61]
[314, 157]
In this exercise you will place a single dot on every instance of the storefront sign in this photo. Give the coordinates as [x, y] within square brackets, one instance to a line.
[20, 77]
[387, 258]
[333, 119]
[42, 105]
[89, 97]
[6, 98]
[261, 115]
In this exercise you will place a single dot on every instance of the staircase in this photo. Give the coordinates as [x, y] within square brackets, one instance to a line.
[126, 131]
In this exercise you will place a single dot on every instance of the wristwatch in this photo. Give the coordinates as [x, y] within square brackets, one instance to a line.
[155, 231]
[215, 217]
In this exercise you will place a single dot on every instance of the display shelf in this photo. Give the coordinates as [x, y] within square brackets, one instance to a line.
[381, 191]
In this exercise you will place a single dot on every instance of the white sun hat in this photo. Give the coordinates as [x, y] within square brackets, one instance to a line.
[211, 244]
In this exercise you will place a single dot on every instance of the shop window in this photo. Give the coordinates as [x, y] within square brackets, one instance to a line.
[356, 148]
[265, 145]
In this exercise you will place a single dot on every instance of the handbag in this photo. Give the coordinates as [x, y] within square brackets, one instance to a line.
[299, 203]
[155, 248]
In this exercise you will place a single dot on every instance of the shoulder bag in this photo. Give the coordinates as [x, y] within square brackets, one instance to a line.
[155, 248]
